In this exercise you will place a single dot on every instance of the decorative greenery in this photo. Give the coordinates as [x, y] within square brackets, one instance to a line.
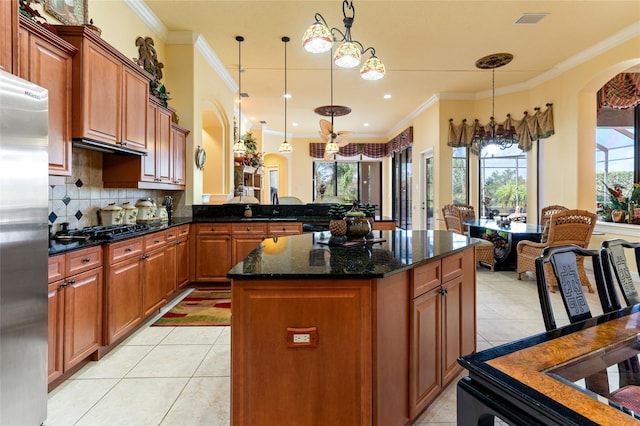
[159, 90]
[337, 211]
[252, 157]
[368, 209]
[29, 12]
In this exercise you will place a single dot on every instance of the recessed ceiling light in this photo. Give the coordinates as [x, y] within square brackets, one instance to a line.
[366, 124]
[387, 96]
[252, 118]
[294, 124]
[530, 18]
[287, 95]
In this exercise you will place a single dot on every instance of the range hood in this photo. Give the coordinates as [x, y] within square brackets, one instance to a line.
[106, 148]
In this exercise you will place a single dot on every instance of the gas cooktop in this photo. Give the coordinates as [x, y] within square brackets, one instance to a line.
[101, 233]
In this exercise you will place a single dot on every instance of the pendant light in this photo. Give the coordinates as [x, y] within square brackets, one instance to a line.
[239, 147]
[285, 146]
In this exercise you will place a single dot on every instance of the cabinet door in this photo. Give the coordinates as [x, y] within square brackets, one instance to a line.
[56, 324]
[149, 161]
[124, 298]
[8, 26]
[213, 257]
[182, 262]
[82, 316]
[154, 281]
[135, 93]
[451, 333]
[242, 246]
[425, 381]
[102, 95]
[178, 148]
[163, 145]
[171, 282]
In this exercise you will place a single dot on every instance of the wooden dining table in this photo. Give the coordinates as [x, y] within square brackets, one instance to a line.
[504, 238]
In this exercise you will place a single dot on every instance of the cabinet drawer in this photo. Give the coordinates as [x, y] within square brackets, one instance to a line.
[452, 266]
[56, 268]
[292, 228]
[124, 250]
[182, 231]
[425, 278]
[171, 234]
[257, 229]
[213, 228]
[83, 260]
[155, 240]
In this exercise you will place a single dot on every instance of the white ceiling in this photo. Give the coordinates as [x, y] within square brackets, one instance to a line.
[429, 49]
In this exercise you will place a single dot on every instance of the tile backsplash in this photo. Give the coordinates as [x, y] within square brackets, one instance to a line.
[82, 196]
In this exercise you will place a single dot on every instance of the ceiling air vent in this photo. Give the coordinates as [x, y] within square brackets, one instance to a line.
[244, 94]
[530, 18]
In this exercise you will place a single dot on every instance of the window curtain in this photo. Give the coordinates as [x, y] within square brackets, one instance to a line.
[371, 150]
[621, 92]
[528, 130]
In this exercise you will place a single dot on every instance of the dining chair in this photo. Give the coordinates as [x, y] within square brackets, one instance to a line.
[616, 271]
[563, 261]
[565, 227]
[545, 215]
[453, 218]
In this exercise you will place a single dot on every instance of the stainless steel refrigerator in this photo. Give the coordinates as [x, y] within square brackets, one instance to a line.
[23, 251]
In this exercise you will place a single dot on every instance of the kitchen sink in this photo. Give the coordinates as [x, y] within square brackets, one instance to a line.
[269, 219]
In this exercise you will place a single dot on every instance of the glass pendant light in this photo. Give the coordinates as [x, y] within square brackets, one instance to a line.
[317, 38]
[372, 69]
[239, 147]
[285, 146]
[347, 55]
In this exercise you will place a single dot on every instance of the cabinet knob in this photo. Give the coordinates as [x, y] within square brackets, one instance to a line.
[86, 260]
[156, 241]
[71, 281]
[128, 249]
[248, 228]
[171, 235]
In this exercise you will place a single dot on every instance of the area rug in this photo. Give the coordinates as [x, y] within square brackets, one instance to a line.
[202, 307]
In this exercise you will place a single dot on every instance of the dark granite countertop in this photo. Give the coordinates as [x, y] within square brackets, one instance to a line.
[56, 247]
[305, 256]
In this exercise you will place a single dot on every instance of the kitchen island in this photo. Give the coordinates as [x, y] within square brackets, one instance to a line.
[365, 335]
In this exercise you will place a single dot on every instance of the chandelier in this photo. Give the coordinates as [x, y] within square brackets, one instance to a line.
[239, 147]
[285, 146]
[497, 136]
[319, 38]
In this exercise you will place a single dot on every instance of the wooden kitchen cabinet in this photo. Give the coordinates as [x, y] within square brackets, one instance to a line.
[177, 258]
[46, 60]
[212, 258]
[438, 326]
[75, 308]
[154, 277]
[245, 237]
[281, 229]
[178, 150]
[8, 34]
[164, 165]
[110, 91]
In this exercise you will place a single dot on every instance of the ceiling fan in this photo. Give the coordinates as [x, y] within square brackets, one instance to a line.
[327, 133]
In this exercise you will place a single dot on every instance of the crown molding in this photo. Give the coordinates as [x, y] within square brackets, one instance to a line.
[148, 17]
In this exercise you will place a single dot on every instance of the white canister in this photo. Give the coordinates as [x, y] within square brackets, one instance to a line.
[146, 210]
[162, 214]
[130, 214]
[111, 215]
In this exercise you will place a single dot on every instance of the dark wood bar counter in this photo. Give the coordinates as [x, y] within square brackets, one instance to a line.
[365, 335]
[539, 380]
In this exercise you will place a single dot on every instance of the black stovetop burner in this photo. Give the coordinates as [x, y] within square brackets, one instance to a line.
[102, 232]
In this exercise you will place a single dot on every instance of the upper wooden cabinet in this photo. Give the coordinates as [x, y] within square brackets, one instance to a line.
[8, 34]
[110, 91]
[164, 165]
[46, 60]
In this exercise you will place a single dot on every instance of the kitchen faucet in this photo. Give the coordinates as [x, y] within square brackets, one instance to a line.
[275, 201]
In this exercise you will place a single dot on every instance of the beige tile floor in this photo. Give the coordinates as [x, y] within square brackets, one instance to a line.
[180, 375]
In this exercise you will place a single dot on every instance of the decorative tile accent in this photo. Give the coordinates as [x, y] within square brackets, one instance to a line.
[78, 215]
[79, 183]
[66, 200]
[52, 217]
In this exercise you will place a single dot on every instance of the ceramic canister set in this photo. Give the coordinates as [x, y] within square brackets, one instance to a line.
[145, 210]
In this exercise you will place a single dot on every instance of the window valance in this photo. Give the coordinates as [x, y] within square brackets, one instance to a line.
[529, 129]
[372, 150]
[621, 92]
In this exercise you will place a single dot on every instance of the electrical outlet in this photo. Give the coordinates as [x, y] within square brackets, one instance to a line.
[301, 338]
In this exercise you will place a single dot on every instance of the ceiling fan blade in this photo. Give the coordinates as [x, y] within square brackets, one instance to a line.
[341, 142]
[325, 127]
[344, 133]
[324, 137]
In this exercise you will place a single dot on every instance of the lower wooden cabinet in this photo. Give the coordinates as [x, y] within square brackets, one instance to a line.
[219, 246]
[75, 308]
